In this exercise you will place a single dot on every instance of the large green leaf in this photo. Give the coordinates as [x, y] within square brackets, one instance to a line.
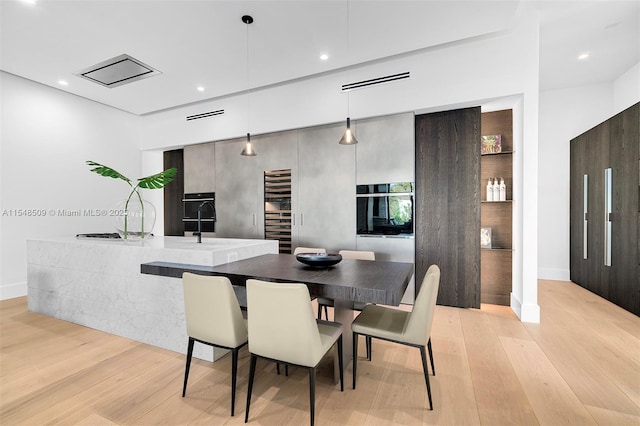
[106, 171]
[158, 180]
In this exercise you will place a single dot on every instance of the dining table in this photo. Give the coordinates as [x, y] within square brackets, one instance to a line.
[365, 281]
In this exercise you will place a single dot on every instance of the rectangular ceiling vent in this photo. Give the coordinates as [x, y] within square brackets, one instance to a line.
[375, 81]
[117, 71]
[205, 114]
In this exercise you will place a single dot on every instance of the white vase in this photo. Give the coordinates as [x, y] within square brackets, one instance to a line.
[136, 220]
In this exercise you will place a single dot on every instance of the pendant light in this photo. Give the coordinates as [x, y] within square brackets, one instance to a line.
[348, 138]
[248, 150]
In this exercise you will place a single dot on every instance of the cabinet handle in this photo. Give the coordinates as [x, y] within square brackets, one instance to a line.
[607, 215]
[585, 198]
[301, 219]
[293, 218]
[254, 219]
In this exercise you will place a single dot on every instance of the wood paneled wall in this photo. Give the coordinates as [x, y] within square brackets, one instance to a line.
[173, 193]
[447, 198]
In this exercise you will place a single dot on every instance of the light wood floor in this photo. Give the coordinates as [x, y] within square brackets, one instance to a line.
[580, 365]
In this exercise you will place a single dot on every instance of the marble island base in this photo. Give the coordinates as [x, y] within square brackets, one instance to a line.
[98, 284]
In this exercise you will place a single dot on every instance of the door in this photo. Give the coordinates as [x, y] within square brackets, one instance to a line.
[448, 203]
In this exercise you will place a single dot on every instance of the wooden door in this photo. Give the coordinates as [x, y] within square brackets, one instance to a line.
[447, 197]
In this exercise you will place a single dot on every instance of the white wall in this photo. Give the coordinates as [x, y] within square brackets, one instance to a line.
[565, 114]
[442, 78]
[626, 89]
[46, 137]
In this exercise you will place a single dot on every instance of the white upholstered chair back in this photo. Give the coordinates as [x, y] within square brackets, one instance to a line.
[357, 254]
[418, 328]
[282, 325]
[212, 310]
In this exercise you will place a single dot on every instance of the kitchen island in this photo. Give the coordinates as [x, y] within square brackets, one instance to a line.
[97, 283]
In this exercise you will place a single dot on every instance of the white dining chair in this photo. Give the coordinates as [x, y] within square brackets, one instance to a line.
[214, 318]
[299, 250]
[406, 328]
[283, 328]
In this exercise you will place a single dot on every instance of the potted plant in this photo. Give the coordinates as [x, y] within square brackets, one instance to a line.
[156, 181]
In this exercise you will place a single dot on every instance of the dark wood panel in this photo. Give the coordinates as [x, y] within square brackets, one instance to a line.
[448, 203]
[613, 143]
[173, 192]
[624, 150]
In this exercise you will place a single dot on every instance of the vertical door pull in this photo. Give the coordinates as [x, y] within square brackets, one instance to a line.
[607, 215]
[585, 198]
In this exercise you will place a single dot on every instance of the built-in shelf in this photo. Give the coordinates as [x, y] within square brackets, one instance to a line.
[496, 262]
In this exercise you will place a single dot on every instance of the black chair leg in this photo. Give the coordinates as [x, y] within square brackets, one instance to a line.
[340, 363]
[234, 373]
[319, 311]
[252, 373]
[368, 341]
[312, 393]
[186, 368]
[326, 312]
[355, 357]
[433, 368]
[423, 354]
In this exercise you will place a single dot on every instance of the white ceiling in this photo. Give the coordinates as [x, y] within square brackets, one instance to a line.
[204, 43]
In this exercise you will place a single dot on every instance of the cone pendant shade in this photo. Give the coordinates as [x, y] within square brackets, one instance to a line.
[248, 148]
[348, 138]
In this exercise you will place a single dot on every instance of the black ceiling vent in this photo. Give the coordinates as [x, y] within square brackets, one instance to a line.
[374, 81]
[205, 114]
[117, 71]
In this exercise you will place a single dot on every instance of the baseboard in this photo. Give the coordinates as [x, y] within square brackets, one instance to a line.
[527, 312]
[12, 291]
[554, 274]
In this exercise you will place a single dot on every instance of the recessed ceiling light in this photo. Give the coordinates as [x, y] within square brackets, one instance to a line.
[324, 57]
[30, 1]
[583, 56]
[200, 89]
[63, 83]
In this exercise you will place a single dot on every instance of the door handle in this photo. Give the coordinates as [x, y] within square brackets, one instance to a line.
[608, 178]
[585, 201]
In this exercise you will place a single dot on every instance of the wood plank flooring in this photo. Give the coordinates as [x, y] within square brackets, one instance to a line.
[580, 365]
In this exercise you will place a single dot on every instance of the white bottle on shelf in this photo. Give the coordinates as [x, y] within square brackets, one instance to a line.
[496, 190]
[503, 190]
[489, 190]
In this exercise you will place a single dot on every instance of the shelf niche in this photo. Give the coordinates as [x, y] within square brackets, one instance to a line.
[496, 263]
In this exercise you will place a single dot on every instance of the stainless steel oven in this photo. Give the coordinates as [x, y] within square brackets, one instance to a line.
[203, 203]
[385, 209]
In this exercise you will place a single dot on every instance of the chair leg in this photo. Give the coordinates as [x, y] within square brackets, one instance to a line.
[355, 357]
[319, 311]
[326, 312]
[252, 373]
[340, 363]
[312, 393]
[368, 341]
[234, 373]
[433, 368]
[188, 365]
[423, 354]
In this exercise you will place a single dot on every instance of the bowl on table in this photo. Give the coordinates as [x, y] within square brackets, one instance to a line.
[319, 260]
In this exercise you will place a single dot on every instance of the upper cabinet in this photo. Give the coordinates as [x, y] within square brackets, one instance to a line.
[385, 151]
[199, 166]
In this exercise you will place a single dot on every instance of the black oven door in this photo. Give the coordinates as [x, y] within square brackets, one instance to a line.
[205, 201]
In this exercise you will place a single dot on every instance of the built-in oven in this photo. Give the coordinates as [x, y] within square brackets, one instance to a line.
[385, 209]
[202, 205]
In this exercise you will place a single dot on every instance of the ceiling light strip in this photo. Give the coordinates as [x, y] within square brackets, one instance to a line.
[374, 81]
[205, 115]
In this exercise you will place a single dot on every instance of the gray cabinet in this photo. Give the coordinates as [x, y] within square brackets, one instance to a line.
[199, 166]
[326, 189]
[386, 153]
[237, 191]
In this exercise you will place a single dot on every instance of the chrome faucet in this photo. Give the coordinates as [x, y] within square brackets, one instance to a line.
[199, 232]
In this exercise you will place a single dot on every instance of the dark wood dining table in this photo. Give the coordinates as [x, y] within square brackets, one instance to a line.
[349, 281]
